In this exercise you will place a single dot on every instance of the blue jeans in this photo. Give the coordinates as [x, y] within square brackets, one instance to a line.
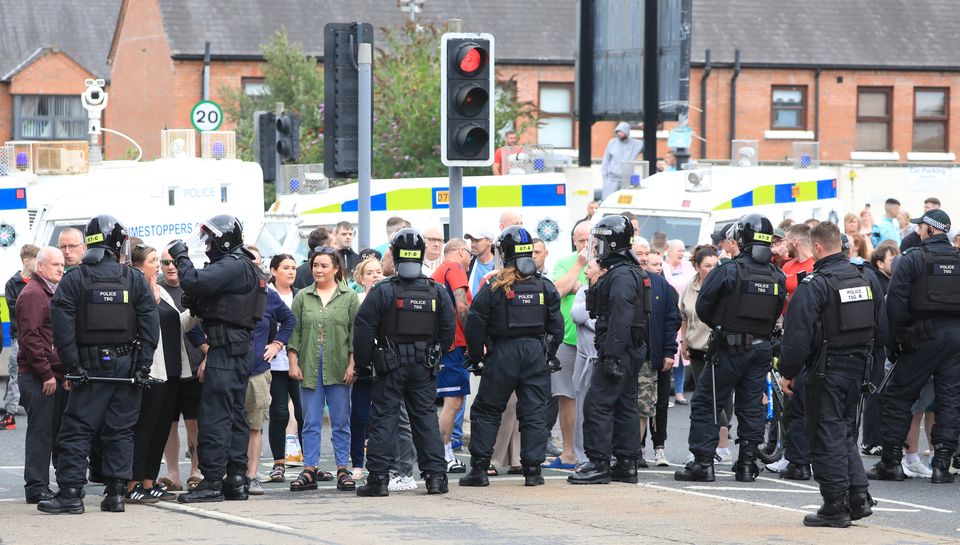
[336, 397]
[679, 377]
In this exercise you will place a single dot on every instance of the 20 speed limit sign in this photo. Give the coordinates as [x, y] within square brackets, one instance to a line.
[206, 116]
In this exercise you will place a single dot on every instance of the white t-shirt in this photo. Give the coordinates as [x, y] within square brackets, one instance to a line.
[280, 362]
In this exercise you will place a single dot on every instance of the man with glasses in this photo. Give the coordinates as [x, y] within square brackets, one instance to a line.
[71, 244]
[433, 256]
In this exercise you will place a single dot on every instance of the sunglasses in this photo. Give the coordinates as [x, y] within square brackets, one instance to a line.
[166, 262]
[325, 250]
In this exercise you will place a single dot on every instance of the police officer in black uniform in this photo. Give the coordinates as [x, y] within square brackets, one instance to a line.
[400, 330]
[740, 300]
[834, 320]
[923, 308]
[516, 318]
[621, 303]
[228, 295]
[105, 324]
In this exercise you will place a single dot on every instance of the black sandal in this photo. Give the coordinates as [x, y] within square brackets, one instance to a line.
[277, 474]
[307, 480]
[345, 480]
[324, 475]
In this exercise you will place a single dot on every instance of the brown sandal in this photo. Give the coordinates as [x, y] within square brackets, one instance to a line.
[193, 482]
[278, 473]
[345, 480]
[307, 480]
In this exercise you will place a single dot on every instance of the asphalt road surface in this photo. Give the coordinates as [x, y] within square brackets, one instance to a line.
[658, 510]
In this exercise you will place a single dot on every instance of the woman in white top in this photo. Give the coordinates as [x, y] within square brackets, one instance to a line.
[284, 391]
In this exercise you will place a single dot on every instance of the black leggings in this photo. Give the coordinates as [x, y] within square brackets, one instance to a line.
[157, 405]
[359, 420]
[282, 387]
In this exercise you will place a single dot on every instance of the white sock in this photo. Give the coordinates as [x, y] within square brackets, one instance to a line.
[448, 452]
[723, 451]
[912, 457]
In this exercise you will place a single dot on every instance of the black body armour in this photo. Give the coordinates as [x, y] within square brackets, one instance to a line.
[754, 304]
[848, 319]
[106, 316]
[598, 304]
[243, 310]
[521, 312]
[414, 314]
[937, 290]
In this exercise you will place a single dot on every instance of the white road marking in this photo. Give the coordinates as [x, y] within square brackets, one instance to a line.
[744, 489]
[8, 499]
[222, 516]
[717, 497]
[895, 502]
[888, 509]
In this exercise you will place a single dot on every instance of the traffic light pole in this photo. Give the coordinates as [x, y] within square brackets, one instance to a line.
[456, 202]
[364, 139]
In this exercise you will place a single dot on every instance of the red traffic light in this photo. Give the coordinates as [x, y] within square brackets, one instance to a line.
[471, 58]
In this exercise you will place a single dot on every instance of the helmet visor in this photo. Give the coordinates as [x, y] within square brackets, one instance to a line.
[598, 247]
[125, 257]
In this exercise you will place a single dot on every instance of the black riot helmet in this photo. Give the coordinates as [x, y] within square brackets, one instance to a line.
[107, 233]
[224, 233]
[612, 235]
[514, 247]
[755, 232]
[407, 250]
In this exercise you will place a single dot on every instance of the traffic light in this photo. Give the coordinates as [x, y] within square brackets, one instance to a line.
[466, 99]
[265, 143]
[288, 136]
[341, 82]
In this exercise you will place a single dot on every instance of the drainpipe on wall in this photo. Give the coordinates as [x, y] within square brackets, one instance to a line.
[733, 99]
[205, 90]
[816, 105]
[707, 68]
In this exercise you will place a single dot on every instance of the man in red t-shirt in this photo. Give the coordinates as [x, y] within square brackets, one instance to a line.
[510, 144]
[453, 380]
[801, 257]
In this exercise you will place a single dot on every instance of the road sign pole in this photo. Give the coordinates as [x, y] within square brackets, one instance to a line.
[364, 139]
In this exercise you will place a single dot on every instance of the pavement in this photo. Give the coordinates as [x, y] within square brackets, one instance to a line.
[657, 510]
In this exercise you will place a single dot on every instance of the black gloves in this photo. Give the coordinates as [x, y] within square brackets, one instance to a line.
[553, 364]
[612, 368]
[141, 378]
[178, 249]
[475, 367]
[81, 374]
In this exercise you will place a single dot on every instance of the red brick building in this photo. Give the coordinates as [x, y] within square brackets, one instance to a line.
[876, 87]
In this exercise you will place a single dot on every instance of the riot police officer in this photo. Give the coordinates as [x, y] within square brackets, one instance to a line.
[832, 324]
[228, 295]
[740, 300]
[923, 308]
[400, 330]
[105, 326]
[516, 317]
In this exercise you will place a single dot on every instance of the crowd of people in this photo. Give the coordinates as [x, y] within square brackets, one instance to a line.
[316, 323]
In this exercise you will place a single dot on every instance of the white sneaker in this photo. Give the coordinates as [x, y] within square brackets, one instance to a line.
[456, 466]
[660, 458]
[401, 482]
[724, 455]
[916, 469]
[357, 474]
[778, 466]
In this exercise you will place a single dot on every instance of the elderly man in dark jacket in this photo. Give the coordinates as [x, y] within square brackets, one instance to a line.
[42, 388]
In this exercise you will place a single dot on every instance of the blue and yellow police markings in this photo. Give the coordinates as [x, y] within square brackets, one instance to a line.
[5, 316]
[436, 198]
[783, 194]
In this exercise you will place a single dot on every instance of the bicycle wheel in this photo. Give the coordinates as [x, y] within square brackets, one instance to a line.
[771, 450]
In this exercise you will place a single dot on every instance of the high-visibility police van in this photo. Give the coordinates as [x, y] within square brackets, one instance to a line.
[157, 201]
[688, 204]
[547, 203]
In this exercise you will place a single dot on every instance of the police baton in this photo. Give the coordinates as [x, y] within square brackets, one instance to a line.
[104, 380]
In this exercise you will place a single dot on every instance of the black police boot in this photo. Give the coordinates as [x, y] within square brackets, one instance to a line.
[745, 468]
[796, 472]
[68, 500]
[888, 468]
[478, 473]
[624, 471]
[206, 491]
[113, 494]
[835, 513]
[941, 465]
[699, 470]
[436, 484]
[592, 472]
[861, 503]
[375, 487]
[532, 476]
[235, 487]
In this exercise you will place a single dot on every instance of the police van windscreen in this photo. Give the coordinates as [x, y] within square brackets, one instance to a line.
[57, 229]
[685, 229]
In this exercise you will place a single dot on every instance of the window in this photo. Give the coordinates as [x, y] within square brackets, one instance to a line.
[873, 118]
[789, 107]
[930, 115]
[556, 115]
[503, 93]
[49, 117]
[254, 87]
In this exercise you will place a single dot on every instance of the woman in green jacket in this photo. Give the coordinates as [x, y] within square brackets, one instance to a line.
[321, 358]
